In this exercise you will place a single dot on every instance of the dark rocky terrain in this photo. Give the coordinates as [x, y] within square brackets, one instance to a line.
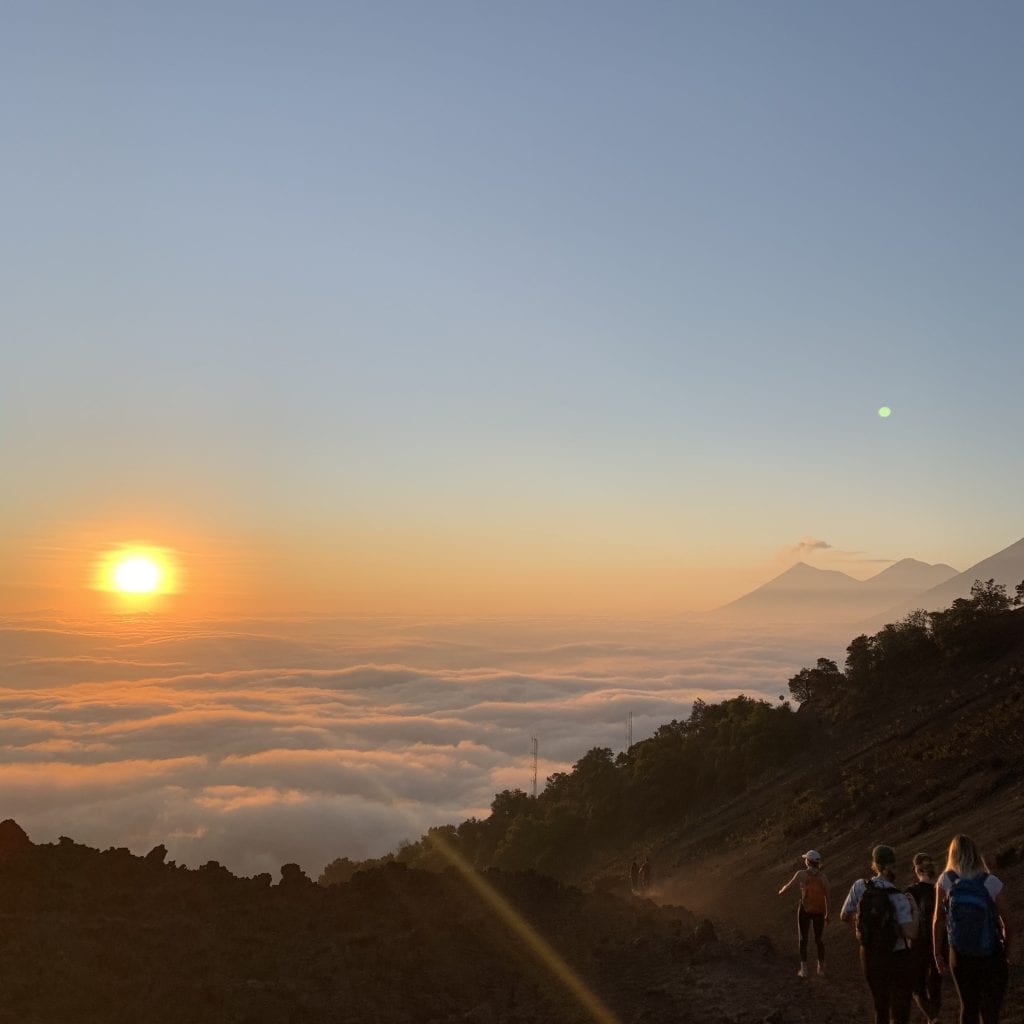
[90, 936]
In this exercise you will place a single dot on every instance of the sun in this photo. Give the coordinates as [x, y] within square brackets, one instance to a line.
[137, 572]
[137, 576]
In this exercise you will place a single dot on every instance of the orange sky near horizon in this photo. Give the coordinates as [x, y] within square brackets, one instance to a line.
[382, 573]
[376, 574]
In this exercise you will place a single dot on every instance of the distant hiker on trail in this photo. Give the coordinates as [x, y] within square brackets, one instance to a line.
[634, 876]
[645, 873]
[971, 908]
[812, 911]
[926, 982]
[885, 921]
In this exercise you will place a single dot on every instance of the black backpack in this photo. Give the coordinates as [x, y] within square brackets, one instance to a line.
[876, 924]
[924, 897]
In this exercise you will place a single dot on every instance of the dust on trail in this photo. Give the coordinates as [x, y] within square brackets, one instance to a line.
[744, 909]
[744, 905]
[704, 896]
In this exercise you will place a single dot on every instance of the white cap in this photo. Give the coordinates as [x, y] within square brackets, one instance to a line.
[812, 855]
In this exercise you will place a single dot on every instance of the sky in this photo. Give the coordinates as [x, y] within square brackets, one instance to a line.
[502, 315]
[405, 308]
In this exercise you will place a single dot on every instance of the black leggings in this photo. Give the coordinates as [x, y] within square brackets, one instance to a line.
[981, 985]
[889, 980]
[927, 982]
[804, 922]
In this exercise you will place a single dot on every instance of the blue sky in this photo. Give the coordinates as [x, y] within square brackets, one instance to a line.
[598, 284]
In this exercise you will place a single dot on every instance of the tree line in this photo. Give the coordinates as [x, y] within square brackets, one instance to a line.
[973, 628]
[711, 755]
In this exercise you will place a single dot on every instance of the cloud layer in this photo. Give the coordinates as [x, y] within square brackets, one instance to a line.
[257, 744]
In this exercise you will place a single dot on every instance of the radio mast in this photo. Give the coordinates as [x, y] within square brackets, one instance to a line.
[534, 745]
[629, 732]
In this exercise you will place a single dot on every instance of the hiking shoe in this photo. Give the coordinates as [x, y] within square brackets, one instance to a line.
[802, 973]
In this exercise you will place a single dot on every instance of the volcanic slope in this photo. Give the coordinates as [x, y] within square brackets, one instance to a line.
[914, 761]
[111, 937]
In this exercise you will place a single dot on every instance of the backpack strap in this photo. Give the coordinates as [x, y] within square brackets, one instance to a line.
[983, 878]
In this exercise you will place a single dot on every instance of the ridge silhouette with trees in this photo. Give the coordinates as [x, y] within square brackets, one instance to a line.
[581, 816]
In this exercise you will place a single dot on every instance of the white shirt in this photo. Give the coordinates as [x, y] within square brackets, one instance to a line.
[992, 884]
[899, 900]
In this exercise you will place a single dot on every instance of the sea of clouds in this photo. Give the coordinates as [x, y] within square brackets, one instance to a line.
[261, 743]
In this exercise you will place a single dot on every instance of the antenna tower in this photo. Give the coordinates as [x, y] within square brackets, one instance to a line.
[629, 732]
[534, 745]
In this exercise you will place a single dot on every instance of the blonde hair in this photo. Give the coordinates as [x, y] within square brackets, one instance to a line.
[965, 858]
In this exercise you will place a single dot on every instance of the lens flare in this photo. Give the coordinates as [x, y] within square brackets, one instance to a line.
[544, 952]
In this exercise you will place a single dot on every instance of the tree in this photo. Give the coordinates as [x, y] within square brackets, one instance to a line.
[823, 679]
[506, 807]
[971, 627]
[698, 710]
[861, 660]
[903, 647]
[990, 598]
[438, 847]
[339, 871]
[509, 804]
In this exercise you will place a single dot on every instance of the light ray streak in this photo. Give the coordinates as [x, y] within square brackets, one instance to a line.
[535, 942]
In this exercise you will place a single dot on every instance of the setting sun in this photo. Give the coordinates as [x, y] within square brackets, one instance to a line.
[137, 572]
[137, 576]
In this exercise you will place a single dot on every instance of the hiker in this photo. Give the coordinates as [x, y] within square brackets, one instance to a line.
[926, 982]
[812, 910]
[885, 921]
[645, 873]
[634, 875]
[971, 908]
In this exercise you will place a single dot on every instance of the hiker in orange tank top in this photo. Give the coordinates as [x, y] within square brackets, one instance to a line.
[813, 909]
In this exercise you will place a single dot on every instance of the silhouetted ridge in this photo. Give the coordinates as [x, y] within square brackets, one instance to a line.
[109, 937]
[609, 806]
[1005, 567]
[14, 841]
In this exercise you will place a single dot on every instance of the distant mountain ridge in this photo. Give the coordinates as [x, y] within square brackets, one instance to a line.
[1005, 567]
[909, 574]
[804, 593]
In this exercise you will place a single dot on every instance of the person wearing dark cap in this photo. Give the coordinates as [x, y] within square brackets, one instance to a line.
[926, 982]
[885, 921]
[812, 911]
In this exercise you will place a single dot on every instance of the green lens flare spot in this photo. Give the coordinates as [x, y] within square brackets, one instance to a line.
[885, 412]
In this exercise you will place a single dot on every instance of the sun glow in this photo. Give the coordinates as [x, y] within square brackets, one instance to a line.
[138, 572]
[137, 576]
